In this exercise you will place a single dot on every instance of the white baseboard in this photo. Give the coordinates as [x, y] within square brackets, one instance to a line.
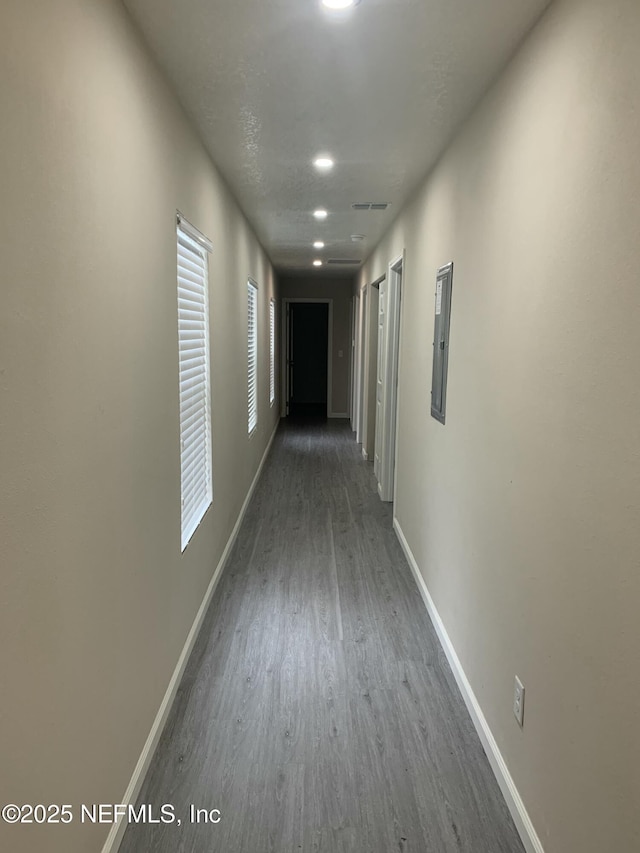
[365, 455]
[344, 415]
[116, 834]
[512, 797]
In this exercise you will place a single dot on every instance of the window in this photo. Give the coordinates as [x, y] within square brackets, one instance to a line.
[252, 354]
[272, 351]
[196, 481]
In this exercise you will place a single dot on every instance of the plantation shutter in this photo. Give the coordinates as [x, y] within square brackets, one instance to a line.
[272, 351]
[252, 352]
[196, 483]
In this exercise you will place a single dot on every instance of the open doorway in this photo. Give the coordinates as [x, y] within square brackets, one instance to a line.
[380, 381]
[381, 347]
[307, 362]
[368, 364]
[386, 394]
[361, 303]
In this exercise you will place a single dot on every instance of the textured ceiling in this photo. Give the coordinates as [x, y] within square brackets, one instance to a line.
[272, 83]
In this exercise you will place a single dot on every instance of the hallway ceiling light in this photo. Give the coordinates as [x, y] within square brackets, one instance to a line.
[318, 244]
[321, 213]
[323, 163]
[317, 263]
[339, 4]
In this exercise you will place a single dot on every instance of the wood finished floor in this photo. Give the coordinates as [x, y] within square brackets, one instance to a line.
[318, 712]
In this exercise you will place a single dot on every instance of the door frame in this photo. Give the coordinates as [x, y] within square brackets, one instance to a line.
[381, 333]
[395, 274]
[368, 365]
[286, 302]
[362, 302]
[355, 299]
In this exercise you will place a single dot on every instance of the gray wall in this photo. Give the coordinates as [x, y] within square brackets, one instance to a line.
[522, 512]
[96, 600]
[340, 290]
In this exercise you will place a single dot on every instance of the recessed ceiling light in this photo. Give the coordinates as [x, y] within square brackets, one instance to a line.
[318, 244]
[339, 4]
[317, 263]
[323, 163]
[321, 213]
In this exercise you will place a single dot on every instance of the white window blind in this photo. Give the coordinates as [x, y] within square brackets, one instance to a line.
[196, 481]
[272, 351]
[252, 352]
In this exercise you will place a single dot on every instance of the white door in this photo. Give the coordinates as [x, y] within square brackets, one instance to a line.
[361, 364]
[391, 359]
[356, 369]
[353, 391]
[380, 383]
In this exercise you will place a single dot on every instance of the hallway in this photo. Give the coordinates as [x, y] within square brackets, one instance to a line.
[318, 712]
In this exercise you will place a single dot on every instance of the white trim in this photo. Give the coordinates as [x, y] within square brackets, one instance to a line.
[380, 400]
[512, 797]
[357, 356]
[362, 348]
[193, 232]
[365, 364]
[368, 365]
[330, 361]
[352, 352]
[399, 373]
[365, 455]
[116, 834]
[395, 275]
[339, 415]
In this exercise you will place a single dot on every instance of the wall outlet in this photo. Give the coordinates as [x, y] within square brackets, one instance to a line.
[518, 702]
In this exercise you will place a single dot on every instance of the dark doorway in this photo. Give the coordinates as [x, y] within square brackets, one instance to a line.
[308, 346]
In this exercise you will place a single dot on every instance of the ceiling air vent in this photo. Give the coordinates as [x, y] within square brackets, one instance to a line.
[370, 205]
[343, 261]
